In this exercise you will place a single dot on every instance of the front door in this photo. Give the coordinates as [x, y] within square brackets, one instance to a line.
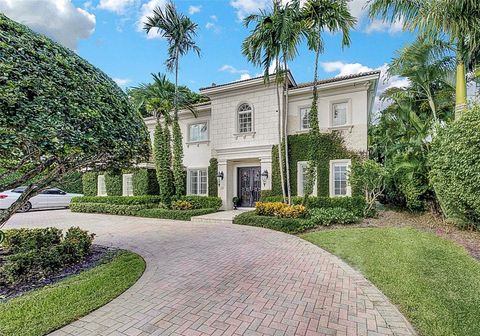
[249, 186]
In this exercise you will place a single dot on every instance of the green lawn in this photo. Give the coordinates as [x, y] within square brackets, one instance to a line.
[435, 282]
[51, 307]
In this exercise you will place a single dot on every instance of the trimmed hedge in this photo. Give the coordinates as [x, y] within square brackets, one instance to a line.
[288, 225]
[203, 202]
[173, 214]
[328, 216]
[33, 254]
[356, 204]
[118, 200]
[113, 182]
[331, 147]
[212, 178]
[112, 209]
[144, 182]
[89, 181]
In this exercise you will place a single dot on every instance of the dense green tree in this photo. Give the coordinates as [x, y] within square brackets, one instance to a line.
[58, 114]
[180, 32]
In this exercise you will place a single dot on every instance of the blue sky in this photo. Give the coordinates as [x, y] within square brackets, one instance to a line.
[107, 33]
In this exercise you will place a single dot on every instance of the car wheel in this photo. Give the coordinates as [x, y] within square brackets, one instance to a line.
[26, 207]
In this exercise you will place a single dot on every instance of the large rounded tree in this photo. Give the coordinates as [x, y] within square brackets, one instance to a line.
[58, 114]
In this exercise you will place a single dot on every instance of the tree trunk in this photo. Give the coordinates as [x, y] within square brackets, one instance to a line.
[285, 131]
[460, 89]
[280, 159]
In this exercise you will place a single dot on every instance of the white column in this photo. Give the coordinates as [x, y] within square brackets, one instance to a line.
[222, 187]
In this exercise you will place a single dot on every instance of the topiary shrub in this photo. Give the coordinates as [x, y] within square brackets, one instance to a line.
[455, 169]
[212, 178]
[89, 181]
[113, 182]
[144, 182]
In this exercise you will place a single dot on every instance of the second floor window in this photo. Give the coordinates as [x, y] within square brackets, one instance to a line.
[339, 114]
[305, 118]
[198, 132]
[245, 118]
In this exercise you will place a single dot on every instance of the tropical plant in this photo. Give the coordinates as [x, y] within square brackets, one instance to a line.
[59, 114]
[274, 40]
[180, 32]
[321, 15]
[457, 20]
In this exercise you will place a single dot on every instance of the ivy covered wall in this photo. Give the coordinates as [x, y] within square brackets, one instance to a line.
[331, 147]
[212, 177]
[144, 182]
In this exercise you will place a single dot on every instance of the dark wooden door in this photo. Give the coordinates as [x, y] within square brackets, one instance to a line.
[249, 185]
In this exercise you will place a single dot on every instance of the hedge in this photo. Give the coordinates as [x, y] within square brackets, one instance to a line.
[29, 257]
[356, 204]
[71, 183]
[212, 177]
[89, 181]
[173, 214]
[113, 182]
[118, 200]
[113, 209]
[203, 202]
[288, 225]
[455, 169]
[144, 182]
[331, 148]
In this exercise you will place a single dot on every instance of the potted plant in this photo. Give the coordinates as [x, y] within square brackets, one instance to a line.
[236, 202]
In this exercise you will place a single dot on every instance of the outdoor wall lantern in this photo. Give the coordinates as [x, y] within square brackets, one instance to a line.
[219, 177]
[264, 177]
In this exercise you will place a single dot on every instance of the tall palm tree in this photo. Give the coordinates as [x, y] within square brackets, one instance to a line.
[274, 40]
[180, 32]
[321, 15]
[458, 20]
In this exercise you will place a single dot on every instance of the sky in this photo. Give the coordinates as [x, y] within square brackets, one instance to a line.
[108, 33]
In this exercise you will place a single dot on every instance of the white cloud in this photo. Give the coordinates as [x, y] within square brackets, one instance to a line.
[378, 25]
[214, 27]
[214, 18]
[194, 9]
[245, 76]
[116, 6]
[246, 7]
[58, 19]
[385, 82]
[358, 8]
[147, 10]
[232, 69]
[122, 81]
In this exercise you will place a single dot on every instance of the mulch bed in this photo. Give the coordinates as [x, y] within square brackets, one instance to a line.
[99, 254]
[428, 221]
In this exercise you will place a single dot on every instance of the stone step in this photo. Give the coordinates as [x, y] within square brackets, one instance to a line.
[220, 217]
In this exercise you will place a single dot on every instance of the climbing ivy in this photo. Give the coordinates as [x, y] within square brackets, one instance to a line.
[212, 177]
[144, 182]
[330, 147]
[113, 182]
[178, 169]
[162, 157]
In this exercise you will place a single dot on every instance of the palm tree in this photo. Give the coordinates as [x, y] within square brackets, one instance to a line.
[274, 40]
[458, 20]
[321, 15]
[180, 32]
[426, 66]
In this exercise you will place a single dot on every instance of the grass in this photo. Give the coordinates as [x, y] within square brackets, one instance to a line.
[435, 283]
[52, 307]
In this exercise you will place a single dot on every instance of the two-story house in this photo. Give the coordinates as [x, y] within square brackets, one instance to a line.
[239, 127]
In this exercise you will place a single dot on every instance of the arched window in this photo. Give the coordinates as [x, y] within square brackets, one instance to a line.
[245, 118]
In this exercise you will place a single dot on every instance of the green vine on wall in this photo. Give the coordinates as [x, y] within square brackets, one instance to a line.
[212, 177]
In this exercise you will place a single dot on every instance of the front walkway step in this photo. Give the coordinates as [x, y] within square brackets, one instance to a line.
[220, 217]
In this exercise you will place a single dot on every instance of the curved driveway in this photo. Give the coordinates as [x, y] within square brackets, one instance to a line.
[217, 279]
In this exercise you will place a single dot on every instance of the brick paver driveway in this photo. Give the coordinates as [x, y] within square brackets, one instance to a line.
[220, 279]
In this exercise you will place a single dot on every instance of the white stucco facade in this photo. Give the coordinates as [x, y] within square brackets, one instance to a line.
[240, 124]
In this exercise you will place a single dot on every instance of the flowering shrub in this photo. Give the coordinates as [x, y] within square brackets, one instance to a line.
[279, 209]
[182, 205]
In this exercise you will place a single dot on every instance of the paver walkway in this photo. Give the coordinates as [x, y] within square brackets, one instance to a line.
[224, 279]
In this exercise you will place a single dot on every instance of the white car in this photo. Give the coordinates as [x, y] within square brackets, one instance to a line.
[48, 199]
